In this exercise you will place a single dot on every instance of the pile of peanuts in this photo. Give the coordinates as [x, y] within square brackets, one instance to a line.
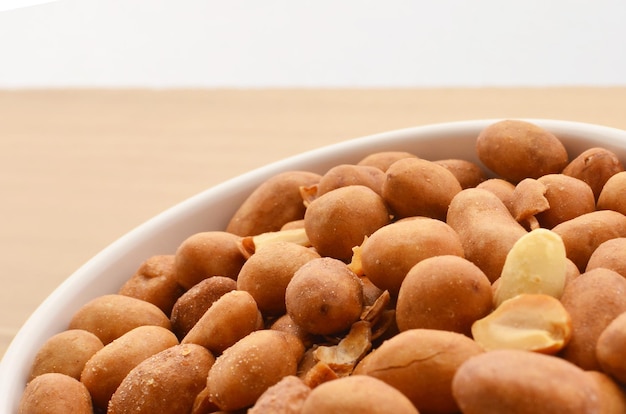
[393, 285]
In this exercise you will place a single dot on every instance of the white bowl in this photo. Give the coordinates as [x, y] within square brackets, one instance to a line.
[211, 210]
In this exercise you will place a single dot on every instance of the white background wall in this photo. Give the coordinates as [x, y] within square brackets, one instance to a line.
[321, 43]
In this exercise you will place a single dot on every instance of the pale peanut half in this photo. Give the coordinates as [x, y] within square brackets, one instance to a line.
[535, 264]
[531, 322]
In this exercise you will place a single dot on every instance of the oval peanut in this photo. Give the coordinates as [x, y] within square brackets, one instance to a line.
[230, 318]
[247, 369]
[583, 234]
[66, 353]
[421, 364]
[390, 252]
[55, 393]
[515, 150]
[486, 228]
[358, 394]
[149, 387]
[594, 166]
[443, 292]
[272, 204]
[417, 187]
[108, 367]
[593, 300]
[523, 382]
[111, 316]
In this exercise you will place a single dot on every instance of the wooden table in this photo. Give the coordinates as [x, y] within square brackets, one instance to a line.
[80, 168]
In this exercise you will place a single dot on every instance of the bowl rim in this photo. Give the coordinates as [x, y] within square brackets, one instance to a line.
[22, 349]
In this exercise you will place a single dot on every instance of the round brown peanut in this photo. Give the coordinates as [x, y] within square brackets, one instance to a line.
[272, 204]
[421, 364]
[610, 348]
[610, 255]
[523, 382]
[593, 300]
[583, 234]
[390, 252]
[485, 227]
[568, 198]
[594, 166]
[66, 353]
[443, 292]
[357, 394]
[206, 254]
[324, 297]
[108, 367]
[155, 282]
[248, 368]
[167, 382]
[349, 174]
[266, 274]
[339, 220]
[55, 393]
[613, 194]
[417, 187]
[612, 396]
[229, 319]
[111, 316]
[515, 150]
[469, 174]
[190, 307]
